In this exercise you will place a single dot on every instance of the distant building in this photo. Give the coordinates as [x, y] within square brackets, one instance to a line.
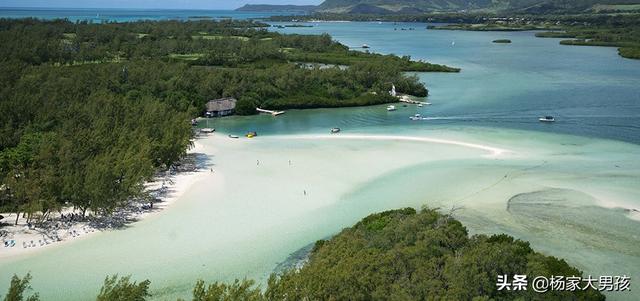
[221, 107]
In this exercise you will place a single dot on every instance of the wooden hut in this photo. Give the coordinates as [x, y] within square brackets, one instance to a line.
[221, 107]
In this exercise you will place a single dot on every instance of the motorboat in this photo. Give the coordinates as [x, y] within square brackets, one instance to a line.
[416, 117]
[365, 46]
[207, 130]
[335, 130]
[391, 108]
[420, 105]
[233, 136]
[251, 134]
[547, 119]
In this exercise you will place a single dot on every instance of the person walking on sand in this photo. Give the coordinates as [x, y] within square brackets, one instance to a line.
[257, 162]
[305, 192]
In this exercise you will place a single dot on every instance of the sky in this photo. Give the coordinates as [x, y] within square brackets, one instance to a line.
[181, 4]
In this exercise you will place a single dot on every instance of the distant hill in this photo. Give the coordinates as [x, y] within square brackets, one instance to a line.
[277, 8]
[419, 6]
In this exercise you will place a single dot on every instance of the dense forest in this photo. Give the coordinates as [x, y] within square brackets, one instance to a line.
[89, 112]
[394, 255]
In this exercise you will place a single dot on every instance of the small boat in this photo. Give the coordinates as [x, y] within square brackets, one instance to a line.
[335, 130]
[207, 130]
[391, 108]
[251, 134]
[420, 105]
[547, 119]
[417, 115]
[233, 136]
[365, 46]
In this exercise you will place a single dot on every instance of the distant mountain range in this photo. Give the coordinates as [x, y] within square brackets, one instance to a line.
[277, 8]
[382, 7]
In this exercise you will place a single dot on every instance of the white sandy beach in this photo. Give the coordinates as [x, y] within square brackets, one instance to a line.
[493, 151]
[27, 240]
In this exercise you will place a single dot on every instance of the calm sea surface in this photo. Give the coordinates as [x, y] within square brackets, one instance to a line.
[98, 15]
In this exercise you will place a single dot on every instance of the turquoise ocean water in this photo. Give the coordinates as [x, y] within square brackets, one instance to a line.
[566, 187]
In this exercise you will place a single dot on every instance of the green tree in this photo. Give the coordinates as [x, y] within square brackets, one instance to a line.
[239, 290]
[123, 289]
[18, 288]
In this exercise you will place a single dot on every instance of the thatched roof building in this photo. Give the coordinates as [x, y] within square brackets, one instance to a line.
[221, 107]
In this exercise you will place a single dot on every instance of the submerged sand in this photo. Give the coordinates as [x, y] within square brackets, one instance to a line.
[270, 196]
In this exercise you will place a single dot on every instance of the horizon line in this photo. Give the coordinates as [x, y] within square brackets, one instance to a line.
[121, 8]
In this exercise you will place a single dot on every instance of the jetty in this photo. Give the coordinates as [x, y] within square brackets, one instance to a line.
[274, 113]
[405, 98]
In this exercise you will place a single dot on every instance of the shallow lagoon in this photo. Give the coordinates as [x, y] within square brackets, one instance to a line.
[563, 193]
[245, 218]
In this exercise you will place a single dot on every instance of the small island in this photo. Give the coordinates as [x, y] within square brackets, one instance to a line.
[502, 41]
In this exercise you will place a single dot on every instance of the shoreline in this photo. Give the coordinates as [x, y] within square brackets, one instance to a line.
[28, 240]
[493, 151]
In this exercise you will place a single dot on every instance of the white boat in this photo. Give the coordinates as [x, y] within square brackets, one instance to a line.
[391, 108]
[207, 130]
[335, 130]
[234, 136]
[416, 117]
[547, 119]
[420, 105]
[365, 46]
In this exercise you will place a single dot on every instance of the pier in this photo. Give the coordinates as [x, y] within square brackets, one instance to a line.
[274, 113]
[405, 98]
